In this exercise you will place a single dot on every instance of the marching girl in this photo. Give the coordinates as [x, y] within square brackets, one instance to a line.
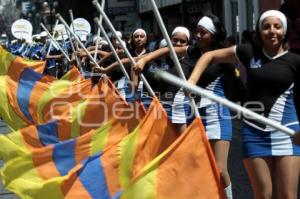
[180, 37]
[210, 35]
[137, 49]
[272, 90]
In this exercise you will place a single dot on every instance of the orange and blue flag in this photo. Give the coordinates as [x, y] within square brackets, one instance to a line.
[186, 169]
[34, 156]
[10, 70]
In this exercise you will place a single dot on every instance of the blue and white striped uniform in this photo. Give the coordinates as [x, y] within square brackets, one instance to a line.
[216, 118]
[172, 98]
[273, 91]
[124, 87]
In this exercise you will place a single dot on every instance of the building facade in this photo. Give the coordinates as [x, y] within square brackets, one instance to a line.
[177, 12]
[123, 14]
[237, 15]
[240, 15]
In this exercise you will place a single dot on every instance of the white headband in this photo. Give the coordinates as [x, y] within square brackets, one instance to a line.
[274, 13]
[139, 30]
[163, 43]
[208, 24]
[118, 33]
[123, 42]
[181, 30]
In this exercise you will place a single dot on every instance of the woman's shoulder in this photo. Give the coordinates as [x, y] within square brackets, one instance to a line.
[247, 48]
[194, 52]
[293, 58]
[293, 55]
[245, 53]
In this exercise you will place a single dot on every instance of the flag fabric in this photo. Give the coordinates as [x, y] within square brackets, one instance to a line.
[119, 163]
[12, 66]
[154, 134]
[87, 142]
[97, 108]
[28, 94]
[77, 106]
[96, 155]
[73, 74]
[187, 169]
[31, 92]
[103, 103]
[35, 160]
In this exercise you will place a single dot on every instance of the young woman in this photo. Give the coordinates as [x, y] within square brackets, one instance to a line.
[272, 90]
[180, 37]
[210, 35]
[137, 49]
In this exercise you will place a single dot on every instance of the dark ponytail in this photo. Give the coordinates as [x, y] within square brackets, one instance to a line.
[220, 35]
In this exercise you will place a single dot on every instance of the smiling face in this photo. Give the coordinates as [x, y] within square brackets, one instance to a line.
[272, 32]
[179, 39]
[139, 39]
[203, 37]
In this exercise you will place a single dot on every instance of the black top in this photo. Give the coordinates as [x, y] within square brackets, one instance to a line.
[167, 91]
[272, 81]
[218, 78]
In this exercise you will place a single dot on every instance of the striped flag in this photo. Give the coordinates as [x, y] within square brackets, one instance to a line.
[36, 160]
[187, 169]
[12, 66]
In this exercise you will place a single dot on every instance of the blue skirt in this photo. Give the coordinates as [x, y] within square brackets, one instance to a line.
[258, 143]
[124, 88]
[217, 122]
[180, 111]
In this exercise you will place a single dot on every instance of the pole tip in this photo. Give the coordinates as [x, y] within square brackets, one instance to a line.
[96, 19]
[57, 15]
[158, 74]
[95, 2]
[296, 138]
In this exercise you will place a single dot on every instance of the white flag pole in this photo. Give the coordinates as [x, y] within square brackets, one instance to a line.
[112, 48]
[78, 40]
[74, 51]
[233, 106]
[50, 45]
[98, 32]
[172, 51]
[111, 27]
[55, 42]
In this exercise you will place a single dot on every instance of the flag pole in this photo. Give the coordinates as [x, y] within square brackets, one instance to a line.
[111, 27]
[56, 43]
[50, 45]
[72, 24]
[172, 51]
[112, 48]
[98, 32]
[74, 51]
[64, 42]
[77, 39]
[233, 106]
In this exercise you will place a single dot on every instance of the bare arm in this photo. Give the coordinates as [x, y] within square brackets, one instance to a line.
[225, 55]
[59, 56]
[82, 53]
[162, 52]
[113, 66]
